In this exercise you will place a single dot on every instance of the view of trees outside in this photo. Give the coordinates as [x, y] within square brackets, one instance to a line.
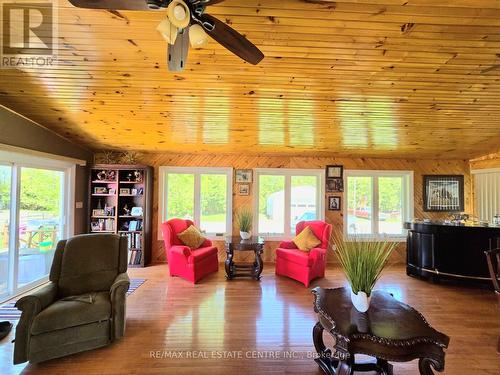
[359, 201]
[40, 215]
[213, 199]
[180, 196]
[390, 191]
[271, 220]
[40, 220]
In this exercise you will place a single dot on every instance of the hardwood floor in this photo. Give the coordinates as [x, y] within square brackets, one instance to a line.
[169, 316]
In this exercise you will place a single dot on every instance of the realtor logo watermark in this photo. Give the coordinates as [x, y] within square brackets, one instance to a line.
[29, 33]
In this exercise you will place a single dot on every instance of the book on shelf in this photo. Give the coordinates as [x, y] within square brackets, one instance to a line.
[134, 257]
[134, 240]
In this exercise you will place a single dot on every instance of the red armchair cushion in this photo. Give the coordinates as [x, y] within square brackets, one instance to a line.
[287, 245]
[202, 253]
[295, 256]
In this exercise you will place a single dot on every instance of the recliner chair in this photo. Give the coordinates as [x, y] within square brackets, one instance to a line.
[83, 305]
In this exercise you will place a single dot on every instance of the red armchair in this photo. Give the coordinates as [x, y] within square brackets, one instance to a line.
[190, 264]
[300, 265]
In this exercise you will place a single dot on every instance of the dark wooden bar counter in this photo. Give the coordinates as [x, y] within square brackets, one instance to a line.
[437, 250]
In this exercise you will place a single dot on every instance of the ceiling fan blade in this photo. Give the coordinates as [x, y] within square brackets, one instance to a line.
[177, 53]
[212, 2]
[111, 4]
[230, 38]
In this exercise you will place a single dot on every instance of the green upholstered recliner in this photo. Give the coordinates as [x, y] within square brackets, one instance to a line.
[83, 305]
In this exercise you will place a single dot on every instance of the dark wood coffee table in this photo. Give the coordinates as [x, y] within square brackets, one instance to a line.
[255, 244]
[389, 331]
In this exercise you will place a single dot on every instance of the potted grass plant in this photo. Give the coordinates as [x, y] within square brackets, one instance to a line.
[362, 262]
[244, 220]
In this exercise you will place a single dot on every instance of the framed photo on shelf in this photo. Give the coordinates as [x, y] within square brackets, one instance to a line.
[334, 171]
[94, 226]
[98, 212]
[244, 189]
[334, 203]
[125, 191]
[243, 175]
[334, 185]
[444, 193]
[134, 191]
[100, 190]
[136, 211]
[112, 191]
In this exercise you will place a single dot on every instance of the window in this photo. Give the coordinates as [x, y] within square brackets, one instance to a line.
[283, 197]
[486, 193]
[36, 211]
[378, 202]
[203, 195]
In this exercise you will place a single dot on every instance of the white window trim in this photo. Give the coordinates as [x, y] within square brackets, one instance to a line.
[288, 173]
[196, 171]
[408, 202]
[18, 160]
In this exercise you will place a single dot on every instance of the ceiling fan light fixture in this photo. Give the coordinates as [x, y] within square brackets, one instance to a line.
[197, 36]
[167, 31]
[179, 14]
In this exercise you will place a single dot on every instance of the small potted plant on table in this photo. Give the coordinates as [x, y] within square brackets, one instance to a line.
[362, 261]
[244, 220]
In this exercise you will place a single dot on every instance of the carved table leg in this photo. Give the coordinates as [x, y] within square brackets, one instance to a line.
[258, 264]
[324, 360]
[344, 368]
[229, 264]
[424, 366]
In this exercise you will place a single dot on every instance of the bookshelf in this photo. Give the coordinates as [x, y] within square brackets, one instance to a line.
[120, 201]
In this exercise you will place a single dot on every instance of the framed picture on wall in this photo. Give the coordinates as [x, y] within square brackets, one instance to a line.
[334, 185]
[444, 193]
[334, 171]
[334, 203]
[243, 175]
[244, 189]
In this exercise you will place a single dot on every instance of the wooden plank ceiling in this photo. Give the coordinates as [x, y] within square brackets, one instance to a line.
[384, 78]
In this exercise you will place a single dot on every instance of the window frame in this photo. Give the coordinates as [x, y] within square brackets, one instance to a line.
[197, 172]
[408, 200]
[288, 173]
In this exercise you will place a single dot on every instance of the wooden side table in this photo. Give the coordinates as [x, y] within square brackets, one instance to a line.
[254, 270]
[389, 331]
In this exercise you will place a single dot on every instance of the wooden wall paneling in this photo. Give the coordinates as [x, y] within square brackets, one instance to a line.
[420, 168]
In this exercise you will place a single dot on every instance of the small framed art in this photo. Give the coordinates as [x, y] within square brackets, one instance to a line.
[243, 175]
[244, 189]
[334, 171]
[334, 203]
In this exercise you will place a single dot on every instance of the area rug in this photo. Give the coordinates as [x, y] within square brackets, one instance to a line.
[8, 311]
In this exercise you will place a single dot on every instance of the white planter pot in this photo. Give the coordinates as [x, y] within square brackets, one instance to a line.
[245, 235]
[360, 301]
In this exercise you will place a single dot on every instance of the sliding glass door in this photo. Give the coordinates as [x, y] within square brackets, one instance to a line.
[41, 222]
[35, 213]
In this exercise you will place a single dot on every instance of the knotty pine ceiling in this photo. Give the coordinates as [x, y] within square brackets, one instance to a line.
[380, 78]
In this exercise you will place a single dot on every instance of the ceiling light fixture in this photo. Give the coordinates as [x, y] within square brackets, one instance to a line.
[179, 14]
[167, 31]
[197, 36]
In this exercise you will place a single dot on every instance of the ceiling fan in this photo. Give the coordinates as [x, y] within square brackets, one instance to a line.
[186, 24]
